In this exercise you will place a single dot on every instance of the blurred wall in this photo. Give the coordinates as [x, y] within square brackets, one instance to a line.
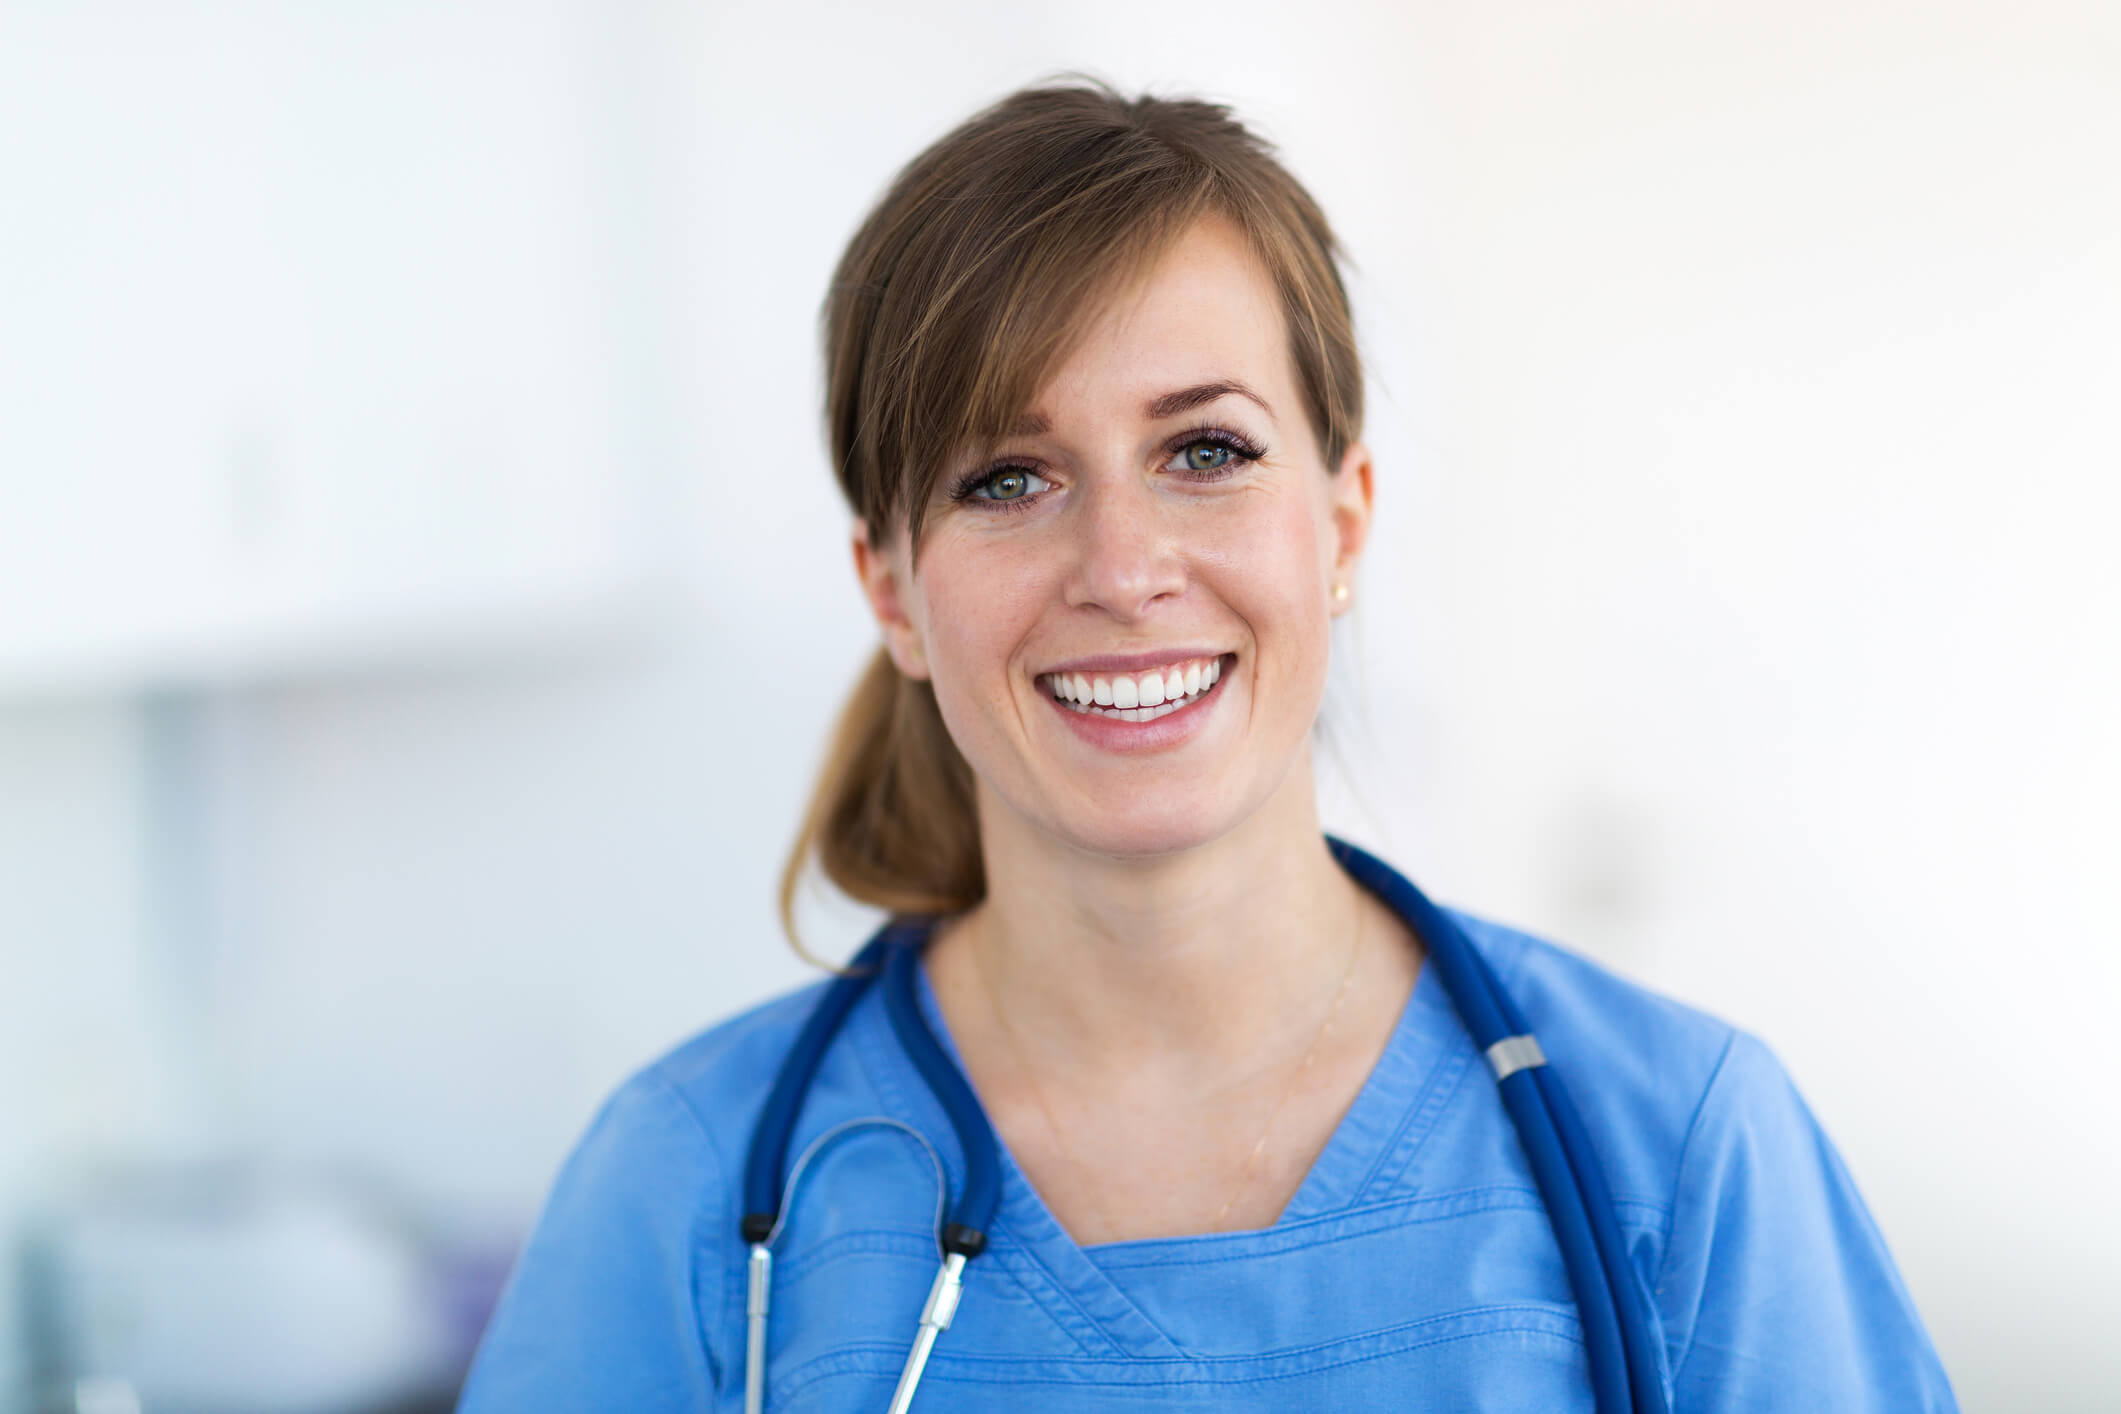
[1742, 607]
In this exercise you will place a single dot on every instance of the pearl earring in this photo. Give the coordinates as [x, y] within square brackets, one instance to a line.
[1340, 593]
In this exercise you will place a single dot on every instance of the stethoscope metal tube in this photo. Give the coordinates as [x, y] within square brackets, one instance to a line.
[961, 1232]
[935, 1319]
[1626, 1371]
[759, 1299]
[935, 1316]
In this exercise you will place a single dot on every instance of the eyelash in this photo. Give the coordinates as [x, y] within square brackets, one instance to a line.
[1240, 448]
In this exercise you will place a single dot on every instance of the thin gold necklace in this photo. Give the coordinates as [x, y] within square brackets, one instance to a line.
[1244, 1178]
[1016, 1053]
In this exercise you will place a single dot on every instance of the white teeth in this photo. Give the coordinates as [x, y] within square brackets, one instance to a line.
[1141, 699]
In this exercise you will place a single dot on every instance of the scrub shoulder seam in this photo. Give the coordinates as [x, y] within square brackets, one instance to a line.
[1676, 1356]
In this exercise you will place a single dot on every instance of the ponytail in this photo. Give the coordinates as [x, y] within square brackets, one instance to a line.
[891, 819]
[973, 276]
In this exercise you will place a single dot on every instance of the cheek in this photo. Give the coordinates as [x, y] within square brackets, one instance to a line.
[975, 619]
[1271, 576]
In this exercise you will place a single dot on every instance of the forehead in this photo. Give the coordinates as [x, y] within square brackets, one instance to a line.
[1206, 309]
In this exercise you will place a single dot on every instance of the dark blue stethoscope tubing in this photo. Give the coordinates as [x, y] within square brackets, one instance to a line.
[1604, 1343]
[1645, 1370]
[1610, 1303]
[768, 1161]
[1644, 1380]
[894, 953]
[1611, 1307]
[973, 1214]
[1474, 992]
[1644, 1362]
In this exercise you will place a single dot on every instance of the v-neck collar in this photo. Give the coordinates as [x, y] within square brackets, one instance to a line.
[1356, 1159]
[1364, 1161]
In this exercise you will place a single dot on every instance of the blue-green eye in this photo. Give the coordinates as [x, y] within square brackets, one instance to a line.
[1210, 456]
[1008, 483]
[1000, 488]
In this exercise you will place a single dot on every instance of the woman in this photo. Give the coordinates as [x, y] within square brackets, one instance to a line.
[1095, 401]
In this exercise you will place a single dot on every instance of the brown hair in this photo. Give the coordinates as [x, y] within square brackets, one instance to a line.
[968, 282]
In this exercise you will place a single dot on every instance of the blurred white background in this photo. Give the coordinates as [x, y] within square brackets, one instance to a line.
[423, 596]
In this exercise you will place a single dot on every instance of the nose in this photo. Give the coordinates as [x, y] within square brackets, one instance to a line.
[1127, 553]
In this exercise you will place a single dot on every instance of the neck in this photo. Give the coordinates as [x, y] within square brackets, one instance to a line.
[1196, 960]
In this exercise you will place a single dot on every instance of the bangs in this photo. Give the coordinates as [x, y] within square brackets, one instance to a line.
[1024, 292]
[1012, 337]
[992, 253]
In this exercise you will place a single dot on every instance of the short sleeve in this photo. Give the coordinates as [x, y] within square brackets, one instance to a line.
[1777, 1291]
[608, 1306]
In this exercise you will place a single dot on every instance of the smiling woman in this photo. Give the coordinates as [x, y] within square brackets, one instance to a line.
[1230, 1114]
[1150, 512]
[1023, 241]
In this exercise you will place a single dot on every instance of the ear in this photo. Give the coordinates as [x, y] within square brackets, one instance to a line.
[1352, 493]
[884, 577]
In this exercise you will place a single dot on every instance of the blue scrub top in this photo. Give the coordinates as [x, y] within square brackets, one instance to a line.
[1414, 1269]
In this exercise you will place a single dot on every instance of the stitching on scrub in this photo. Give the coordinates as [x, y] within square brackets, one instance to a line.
[1169, 1372]
[919, 1248]
[1526, 1202]
[863, 1242]
[1675, 1358]
[697, 1246]
[1347, 1226]
[1445, 1080]
[1035, 1209]
[1024, 1258]
[894, 1100]
[1068, 1314]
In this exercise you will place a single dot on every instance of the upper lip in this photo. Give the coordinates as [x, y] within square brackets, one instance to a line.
[1131, 662]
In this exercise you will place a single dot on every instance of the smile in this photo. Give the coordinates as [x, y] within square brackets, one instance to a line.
[1135, 697]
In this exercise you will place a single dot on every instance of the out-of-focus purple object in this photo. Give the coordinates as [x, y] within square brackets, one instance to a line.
[468, 1282]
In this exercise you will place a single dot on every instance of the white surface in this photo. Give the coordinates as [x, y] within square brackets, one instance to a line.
[308, 352]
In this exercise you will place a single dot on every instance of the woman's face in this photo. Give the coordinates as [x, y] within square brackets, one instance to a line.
[1161, 536]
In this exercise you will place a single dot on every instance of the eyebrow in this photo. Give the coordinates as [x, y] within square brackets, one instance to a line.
[1169, 405]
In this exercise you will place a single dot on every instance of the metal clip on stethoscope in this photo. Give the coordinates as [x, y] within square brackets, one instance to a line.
[1619, 1336]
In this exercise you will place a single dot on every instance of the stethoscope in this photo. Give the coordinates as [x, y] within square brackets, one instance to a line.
[1618, 1333]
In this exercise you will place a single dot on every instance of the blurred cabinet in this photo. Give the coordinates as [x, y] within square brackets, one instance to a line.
[306, 345]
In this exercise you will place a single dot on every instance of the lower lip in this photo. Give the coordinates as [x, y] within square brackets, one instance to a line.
[1172, 729]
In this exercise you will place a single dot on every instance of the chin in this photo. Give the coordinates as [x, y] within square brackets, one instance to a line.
[1136, 831]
